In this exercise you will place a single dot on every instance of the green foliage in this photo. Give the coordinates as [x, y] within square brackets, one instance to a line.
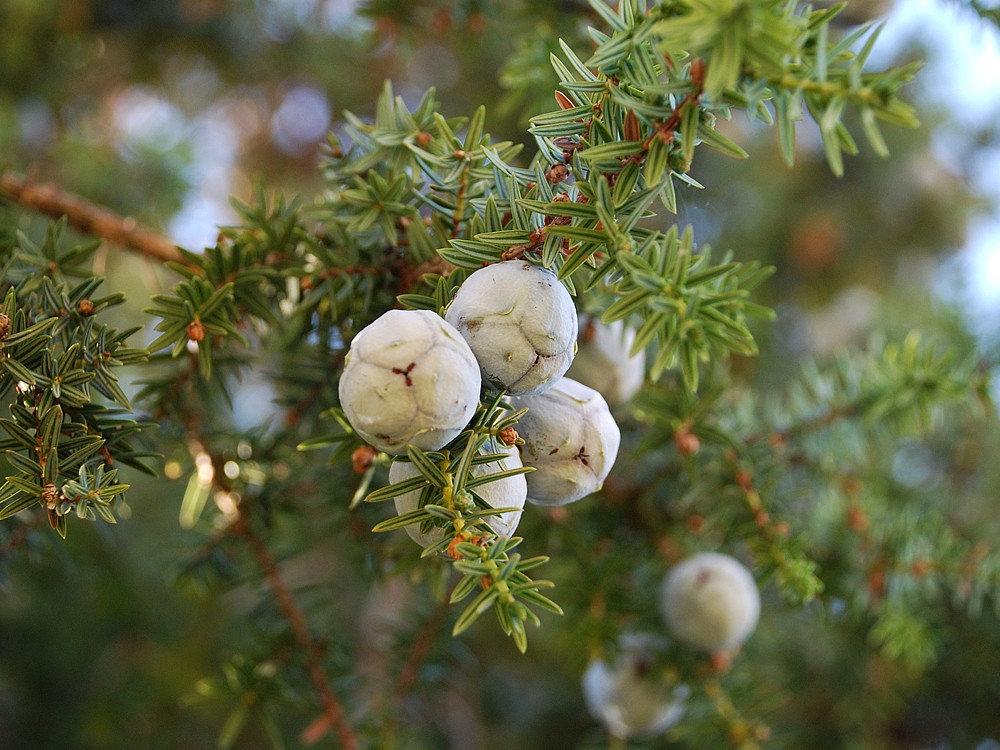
[986, 12]
[449, 501]
[69, 417]
[257, 691]
[854, 489]
[688, 306]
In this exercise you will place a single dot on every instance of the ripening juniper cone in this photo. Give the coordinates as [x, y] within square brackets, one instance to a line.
[570, 439]
[409, 379]
[520, 322]
[628, 695]
[710, 601]
[604, 360]
[509, 492]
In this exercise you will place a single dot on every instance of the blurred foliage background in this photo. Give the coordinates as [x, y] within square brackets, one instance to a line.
[164, 109]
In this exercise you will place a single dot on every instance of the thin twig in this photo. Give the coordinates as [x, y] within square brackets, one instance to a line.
[88, 217]
[333, 709]
[18, 537]
[419, 650]
[779, 437]
[334, 716]
[463, 185]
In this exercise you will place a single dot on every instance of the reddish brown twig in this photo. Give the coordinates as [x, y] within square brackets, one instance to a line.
[463, 185]
[410, 276]
[333, 716]
[18, 537]
[333, 711]
[88, 217]
[419, 649]
[781, 437]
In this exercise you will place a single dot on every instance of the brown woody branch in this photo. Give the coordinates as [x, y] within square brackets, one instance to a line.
[18, 537]
[419, 650]
[333, 711]
[333, 716]
[88, 217]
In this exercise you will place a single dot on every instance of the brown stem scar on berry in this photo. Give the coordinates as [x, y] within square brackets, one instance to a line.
[405, 373]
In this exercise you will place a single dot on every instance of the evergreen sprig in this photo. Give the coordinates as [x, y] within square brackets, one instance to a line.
[451, 507]
[755, 51]
[415, 201]
[69, 418]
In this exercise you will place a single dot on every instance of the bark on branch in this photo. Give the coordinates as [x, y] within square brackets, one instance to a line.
[88, 217]
[334, 716]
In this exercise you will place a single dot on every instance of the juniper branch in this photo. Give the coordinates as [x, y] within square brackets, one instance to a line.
[332, 707]
[18, 537]
[419, 649]
[88, 217]
[241, 528]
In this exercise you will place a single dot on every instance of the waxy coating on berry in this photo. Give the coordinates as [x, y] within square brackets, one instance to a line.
[509, 492]
[570, 439]
[604, 362]
[521, 323]
[710, 601]
[629, 696]
[409, 379]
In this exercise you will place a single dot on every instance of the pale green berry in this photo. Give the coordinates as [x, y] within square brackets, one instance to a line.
[409, 379]
[604, 361]
[570, 439]
[509, 492]
[521, 323]
[710, 601]
[629, 696]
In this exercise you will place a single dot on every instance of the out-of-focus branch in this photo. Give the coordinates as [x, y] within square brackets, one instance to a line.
[419, 650]
[333, 711]
[333, 717]
[88, 217]
[18, 537]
